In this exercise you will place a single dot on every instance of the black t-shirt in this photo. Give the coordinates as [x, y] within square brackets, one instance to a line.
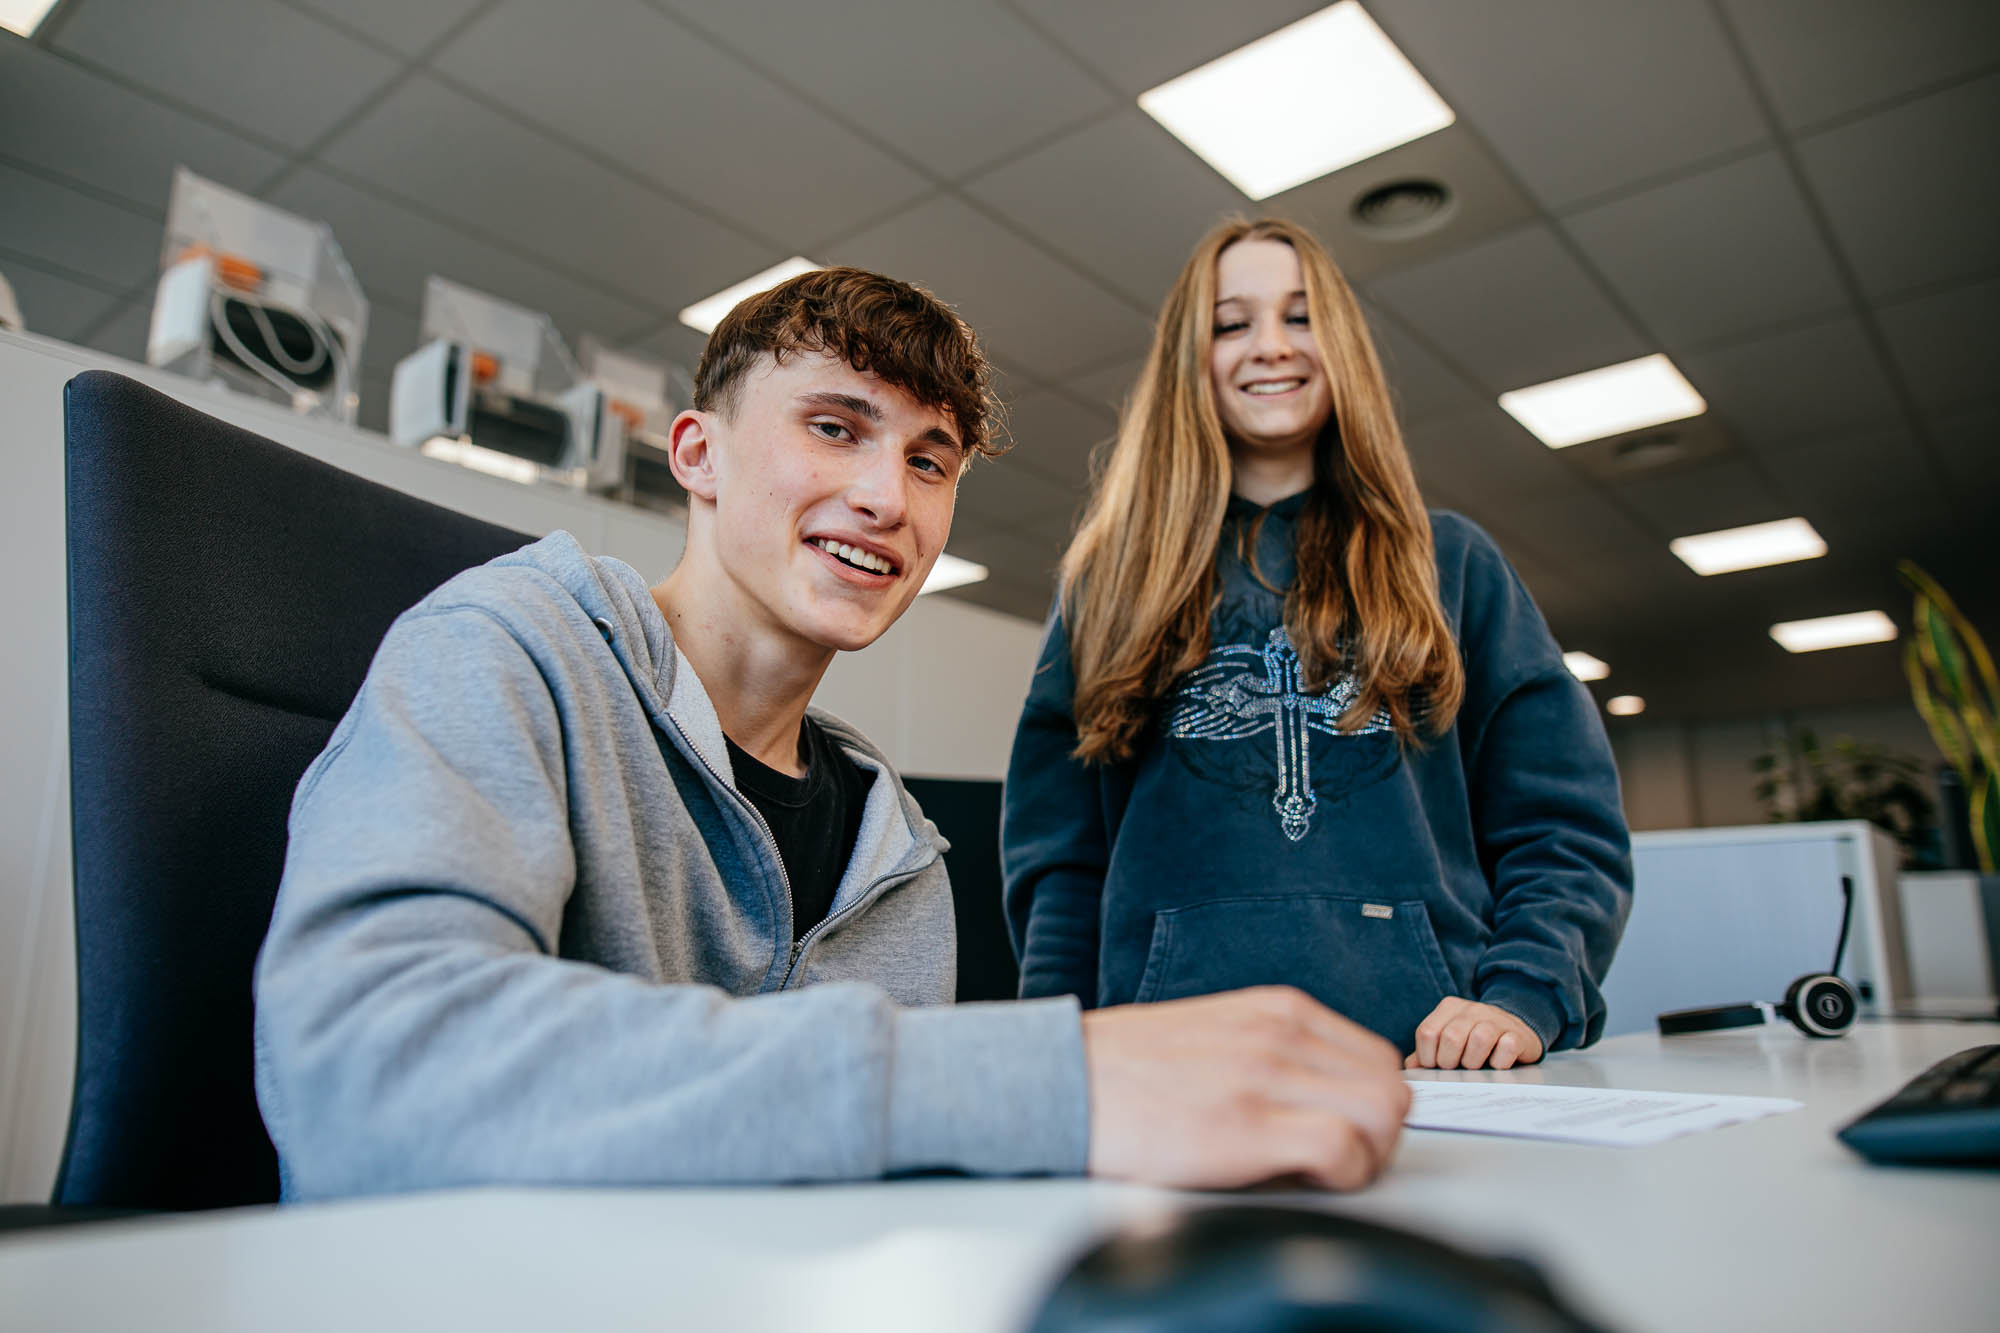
[815, 818]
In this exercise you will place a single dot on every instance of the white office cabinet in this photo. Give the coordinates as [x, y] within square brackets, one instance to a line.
[1733, 915]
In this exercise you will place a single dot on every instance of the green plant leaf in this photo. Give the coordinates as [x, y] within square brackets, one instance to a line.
[1986, 822]
[1945, 727]
[1928, 590]
[1945, 657]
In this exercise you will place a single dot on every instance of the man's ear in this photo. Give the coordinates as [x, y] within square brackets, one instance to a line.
[691, 452]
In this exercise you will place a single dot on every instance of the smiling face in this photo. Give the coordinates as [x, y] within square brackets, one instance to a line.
[821, 499]
[1271, 391]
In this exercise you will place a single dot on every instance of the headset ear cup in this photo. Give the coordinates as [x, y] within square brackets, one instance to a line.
[1820, 1004]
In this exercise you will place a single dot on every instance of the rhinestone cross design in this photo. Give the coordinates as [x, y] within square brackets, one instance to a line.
[1226, 699]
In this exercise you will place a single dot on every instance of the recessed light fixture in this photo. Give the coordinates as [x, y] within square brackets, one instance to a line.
[1321, 94]
[1607, 401]
[1809, 636]
[1625, 705]
[24, 16]
[705, 315]
[1753, 547]
[952, 572]
[1585, 667]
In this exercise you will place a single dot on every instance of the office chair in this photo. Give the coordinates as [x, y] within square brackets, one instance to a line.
[967, 812]
[225, 597]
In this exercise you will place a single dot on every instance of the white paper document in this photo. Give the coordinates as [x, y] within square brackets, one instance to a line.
[1608, 1117]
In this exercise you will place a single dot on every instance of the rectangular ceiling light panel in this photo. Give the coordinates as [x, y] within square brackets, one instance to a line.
[1311, 98]
[24, 16]
[1809, 636]
[1585, 667]
[705, 315]
[952, 572]
[1753, 547]
[1607, 401]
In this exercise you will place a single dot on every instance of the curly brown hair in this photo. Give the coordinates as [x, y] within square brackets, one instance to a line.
[874, 323]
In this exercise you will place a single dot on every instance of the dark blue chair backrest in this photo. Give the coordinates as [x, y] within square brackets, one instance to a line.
[967, 812]
[225, 597]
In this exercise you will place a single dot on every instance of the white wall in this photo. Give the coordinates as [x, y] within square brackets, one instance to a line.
[1697, 774]
[939, 693]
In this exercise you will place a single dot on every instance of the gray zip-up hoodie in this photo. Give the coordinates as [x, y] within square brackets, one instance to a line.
[530, 932]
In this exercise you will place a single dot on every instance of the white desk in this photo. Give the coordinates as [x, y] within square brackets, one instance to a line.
[1769, 1225]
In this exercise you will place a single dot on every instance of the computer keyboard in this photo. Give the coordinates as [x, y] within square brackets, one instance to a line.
[1948, 1113]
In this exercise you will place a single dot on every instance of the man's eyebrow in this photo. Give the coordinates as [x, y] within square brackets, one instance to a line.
[848, 402]
[861, 407]
[939, 435]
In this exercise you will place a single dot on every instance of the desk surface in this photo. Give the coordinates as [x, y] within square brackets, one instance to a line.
[1766, 1225]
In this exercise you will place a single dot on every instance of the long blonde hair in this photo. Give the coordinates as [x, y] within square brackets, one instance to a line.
[1138, 583]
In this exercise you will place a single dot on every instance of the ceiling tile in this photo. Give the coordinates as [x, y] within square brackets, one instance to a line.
[1912, 192]
[124, 335]
[392, 335]
[954, 85]
[80, 233]
[1107, 386]
[1583, 97]
[1121, 196]
[1139, 47]
[90, 129]
[1423, 386]
[1054, 435]
[1969, 442]
[1484, 453]
[1026, 306]
[1513, 311]
[53, 306]
[674, 343]
[641, 89]
[392, 250]
[1821, 58]
[1845, 484]
[1008, 495]
[1027, 598]
[1596, 546]
[1946, 344]
[1720, 253]
[1731, 493]
[373, 413]
[1795, 386]
[405, 26]
[524, 188]
[267, 69]
[1483, 201]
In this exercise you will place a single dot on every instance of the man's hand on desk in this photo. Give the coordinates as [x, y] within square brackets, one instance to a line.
[1464, 1034]
[1224, 1091]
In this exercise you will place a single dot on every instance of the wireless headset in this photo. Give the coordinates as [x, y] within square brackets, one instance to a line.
[1818, 1004]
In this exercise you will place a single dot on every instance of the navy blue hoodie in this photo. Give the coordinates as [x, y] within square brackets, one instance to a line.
[1251, 842]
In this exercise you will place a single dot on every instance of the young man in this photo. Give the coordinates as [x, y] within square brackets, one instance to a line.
[581, 893]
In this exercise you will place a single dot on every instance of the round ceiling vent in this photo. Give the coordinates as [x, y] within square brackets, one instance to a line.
[1643, 452]
[1403, 209]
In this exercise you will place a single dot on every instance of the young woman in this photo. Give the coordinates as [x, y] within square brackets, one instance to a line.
[1287, 727]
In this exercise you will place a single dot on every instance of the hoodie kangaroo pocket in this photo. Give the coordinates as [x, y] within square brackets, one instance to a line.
[1376, 960]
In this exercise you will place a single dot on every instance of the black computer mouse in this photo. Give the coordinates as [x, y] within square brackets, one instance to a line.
[1262, 1269]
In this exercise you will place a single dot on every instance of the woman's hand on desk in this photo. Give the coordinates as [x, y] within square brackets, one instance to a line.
[1224, 1091]
[1464, 1034]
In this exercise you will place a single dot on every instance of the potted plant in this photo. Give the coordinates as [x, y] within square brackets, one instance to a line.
[1958, 694]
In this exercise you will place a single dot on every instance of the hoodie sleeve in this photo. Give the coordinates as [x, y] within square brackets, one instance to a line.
[1545, 808]
[416, 1028]
[1054, 847]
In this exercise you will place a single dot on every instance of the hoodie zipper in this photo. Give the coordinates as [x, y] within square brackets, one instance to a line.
[799, 945]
